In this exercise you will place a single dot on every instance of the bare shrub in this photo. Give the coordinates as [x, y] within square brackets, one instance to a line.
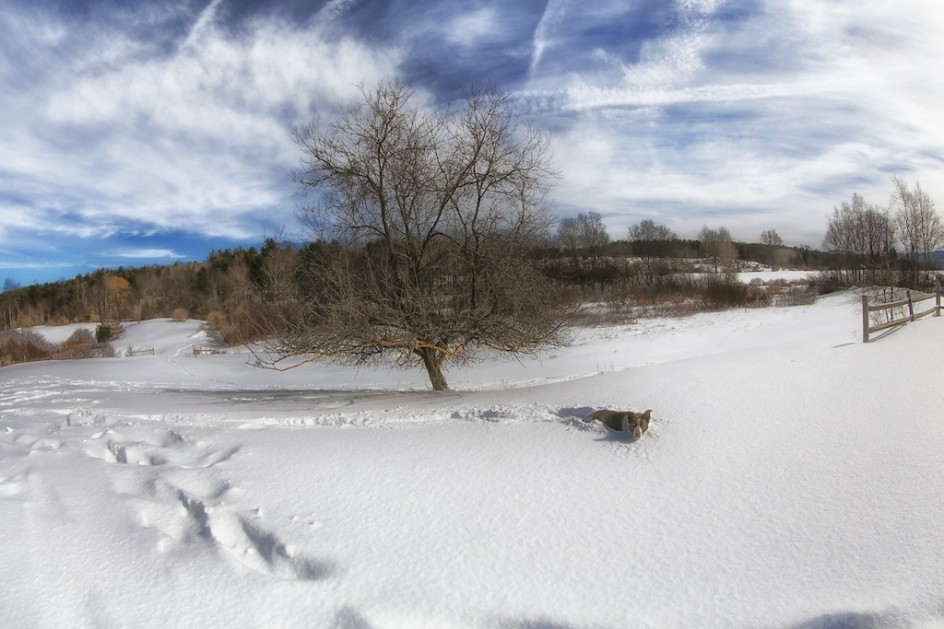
[179, 314]
[20, 346]
[620, 305]
[245, 324]
[81, 344]
[728, 293]
[80, 337]
[784, 293]
[216, 325]
[603, 314]
[826, 283]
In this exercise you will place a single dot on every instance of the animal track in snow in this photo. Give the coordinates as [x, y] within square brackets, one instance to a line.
[166, 447]
[14, 486]
[33, 443]
[189, 516]
[259, 549]
[17, 447]
[177, 514]
[171, 483]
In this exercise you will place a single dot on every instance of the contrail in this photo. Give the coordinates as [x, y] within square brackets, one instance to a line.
[202, 24]
[553, 12]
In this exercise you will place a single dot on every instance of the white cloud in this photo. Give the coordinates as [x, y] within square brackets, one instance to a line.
[146, 254]
[765, 119]
[468, 29]
[627, 168]
[765, 122]
[197, 137]
[30, 265]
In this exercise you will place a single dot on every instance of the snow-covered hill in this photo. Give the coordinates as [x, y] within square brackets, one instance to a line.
[792, 477]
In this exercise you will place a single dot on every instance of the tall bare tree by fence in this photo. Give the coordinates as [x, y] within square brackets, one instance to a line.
[429, 219]
[862, 237]
[919, 226]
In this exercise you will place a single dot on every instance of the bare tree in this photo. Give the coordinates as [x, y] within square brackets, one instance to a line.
[771, 238]
[719, 248]
[277, 271]
[842, 235]
[430, 218]
[651, 245]
[585, 231]
[592, 231]
[568, 235]
[919, 226]
[861, 235]
[648, 231]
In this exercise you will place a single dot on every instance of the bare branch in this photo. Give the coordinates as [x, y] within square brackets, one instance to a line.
[430, 218]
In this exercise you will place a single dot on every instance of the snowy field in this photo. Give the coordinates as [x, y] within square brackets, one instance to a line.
[768, 276]
[792, 477]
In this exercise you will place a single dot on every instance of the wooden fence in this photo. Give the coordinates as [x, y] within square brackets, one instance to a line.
[910, 301]
[139, 351]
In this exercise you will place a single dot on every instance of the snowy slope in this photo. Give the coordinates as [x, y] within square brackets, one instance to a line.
[792, 477]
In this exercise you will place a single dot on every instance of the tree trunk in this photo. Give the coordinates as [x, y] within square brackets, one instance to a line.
[432, 360]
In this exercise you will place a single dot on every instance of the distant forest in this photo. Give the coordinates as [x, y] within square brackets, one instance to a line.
[230, 286]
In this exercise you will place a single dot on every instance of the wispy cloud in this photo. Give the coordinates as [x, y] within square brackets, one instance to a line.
[763, 117]
[124, 125]
[470, 29]
[197, 136]
[146, 254]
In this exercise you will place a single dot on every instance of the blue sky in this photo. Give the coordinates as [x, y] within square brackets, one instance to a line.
[155, 132]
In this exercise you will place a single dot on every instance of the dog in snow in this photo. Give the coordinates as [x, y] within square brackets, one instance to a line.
[625, 421]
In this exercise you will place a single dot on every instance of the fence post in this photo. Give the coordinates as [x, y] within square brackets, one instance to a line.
[937, 303]
[865, 318]
[910, 305]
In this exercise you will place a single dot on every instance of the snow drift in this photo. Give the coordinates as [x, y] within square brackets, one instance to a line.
[791, 477]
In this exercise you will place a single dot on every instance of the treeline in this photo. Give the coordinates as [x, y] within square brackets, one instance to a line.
[227, 281]
[666, 265]
[231, 285]
[895, 244]
[865, 244]
[653, 261]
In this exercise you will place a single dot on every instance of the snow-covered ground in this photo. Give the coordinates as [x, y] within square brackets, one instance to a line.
[768, 276]
[792, 477]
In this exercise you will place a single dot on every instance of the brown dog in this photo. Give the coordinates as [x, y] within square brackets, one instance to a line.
[626, 421]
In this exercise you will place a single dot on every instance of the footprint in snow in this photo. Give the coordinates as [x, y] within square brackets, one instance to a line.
[14, 486]
[166, 447]
[185, 517]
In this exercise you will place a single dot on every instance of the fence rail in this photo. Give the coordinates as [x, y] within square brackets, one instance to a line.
[910, 300]
[139, 351]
